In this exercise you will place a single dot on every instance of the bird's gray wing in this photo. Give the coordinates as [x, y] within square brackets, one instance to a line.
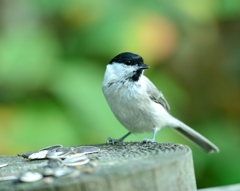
[156, 95]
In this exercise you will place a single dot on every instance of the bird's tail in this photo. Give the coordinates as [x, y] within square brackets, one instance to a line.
[196, 138]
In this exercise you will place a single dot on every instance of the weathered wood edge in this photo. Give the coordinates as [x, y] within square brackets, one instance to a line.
[127, 166]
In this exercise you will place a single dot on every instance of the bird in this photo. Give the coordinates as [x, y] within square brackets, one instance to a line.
[138, 104]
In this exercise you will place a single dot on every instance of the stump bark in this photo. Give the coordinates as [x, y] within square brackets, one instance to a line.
[130, 166]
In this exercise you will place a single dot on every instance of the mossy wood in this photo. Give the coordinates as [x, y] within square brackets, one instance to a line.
[129, 166]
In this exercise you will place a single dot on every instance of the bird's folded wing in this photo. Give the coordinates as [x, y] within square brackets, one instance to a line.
[156, 95]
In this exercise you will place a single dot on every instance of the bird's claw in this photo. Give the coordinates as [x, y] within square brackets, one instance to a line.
[146, 140]
[112, 141]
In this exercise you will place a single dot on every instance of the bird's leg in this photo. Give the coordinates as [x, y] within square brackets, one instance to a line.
[146, 140]
[113, 141]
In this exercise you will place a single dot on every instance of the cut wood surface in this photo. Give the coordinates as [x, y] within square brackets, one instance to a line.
[130, 166]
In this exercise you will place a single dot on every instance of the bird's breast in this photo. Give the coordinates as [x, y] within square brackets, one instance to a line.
[128, 104]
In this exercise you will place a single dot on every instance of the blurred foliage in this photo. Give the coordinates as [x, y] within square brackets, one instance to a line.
[53, 56]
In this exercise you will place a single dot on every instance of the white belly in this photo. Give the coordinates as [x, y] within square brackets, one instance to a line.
[133, 109]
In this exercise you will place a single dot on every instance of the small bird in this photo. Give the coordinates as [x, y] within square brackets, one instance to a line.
[139, 105]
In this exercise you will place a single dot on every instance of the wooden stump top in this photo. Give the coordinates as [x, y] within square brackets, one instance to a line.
[126, 166]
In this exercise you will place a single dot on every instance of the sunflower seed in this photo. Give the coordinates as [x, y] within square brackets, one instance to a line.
[76, 160]
[58, 172]
[53, 147]
[3, 164]
[30, 177]
[38, 155]
[60, 153]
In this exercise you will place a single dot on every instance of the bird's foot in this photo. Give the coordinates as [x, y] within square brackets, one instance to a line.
[146, 140]
[113, 141]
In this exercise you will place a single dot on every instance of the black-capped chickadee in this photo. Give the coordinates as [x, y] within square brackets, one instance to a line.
[138, 104]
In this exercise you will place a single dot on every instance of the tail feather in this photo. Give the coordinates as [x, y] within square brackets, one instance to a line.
[196, 138]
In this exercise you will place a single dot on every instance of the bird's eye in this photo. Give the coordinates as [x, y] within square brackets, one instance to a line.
[128, 62]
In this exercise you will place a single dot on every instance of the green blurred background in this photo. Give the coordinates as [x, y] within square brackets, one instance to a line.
[53, 56]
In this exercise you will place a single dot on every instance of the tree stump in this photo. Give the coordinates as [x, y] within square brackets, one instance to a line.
[129, 166]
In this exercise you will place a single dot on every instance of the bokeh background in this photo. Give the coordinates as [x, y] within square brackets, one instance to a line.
[53, 56]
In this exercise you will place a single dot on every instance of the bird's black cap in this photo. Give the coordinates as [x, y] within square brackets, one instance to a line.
[128, 58]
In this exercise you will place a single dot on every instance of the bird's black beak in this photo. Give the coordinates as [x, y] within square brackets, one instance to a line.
[143, 66]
